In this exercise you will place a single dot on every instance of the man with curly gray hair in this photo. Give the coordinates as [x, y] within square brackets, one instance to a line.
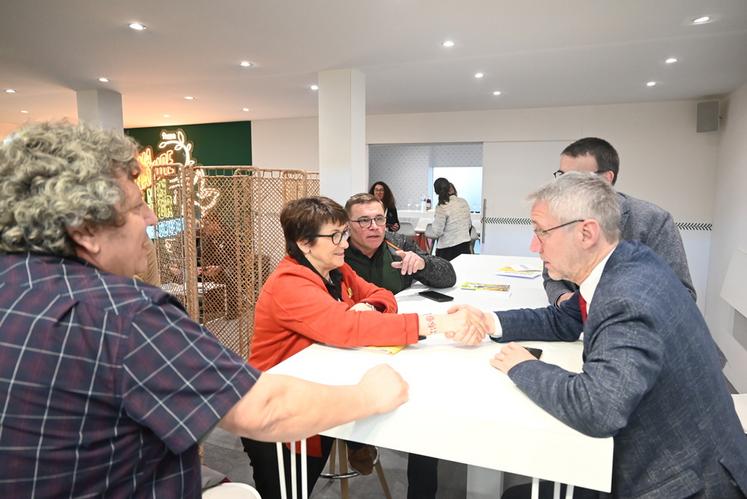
[106, 385]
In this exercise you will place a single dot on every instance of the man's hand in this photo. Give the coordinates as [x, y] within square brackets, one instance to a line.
[394, 227]
[410, 262]
[465, 324]
[563, 298]
[510, 355]
[383, 388]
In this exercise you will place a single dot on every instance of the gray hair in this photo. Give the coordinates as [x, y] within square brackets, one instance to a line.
[55, 176]
[582, 195]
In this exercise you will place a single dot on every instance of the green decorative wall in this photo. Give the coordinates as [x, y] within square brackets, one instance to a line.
[214, 144]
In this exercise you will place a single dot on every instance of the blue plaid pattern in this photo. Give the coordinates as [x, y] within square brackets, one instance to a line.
[106, 385]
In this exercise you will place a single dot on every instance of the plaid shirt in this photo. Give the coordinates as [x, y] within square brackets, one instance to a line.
[106, 385]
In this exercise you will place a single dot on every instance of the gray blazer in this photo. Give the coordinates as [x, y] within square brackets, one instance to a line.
[645, 222]
[650, 379]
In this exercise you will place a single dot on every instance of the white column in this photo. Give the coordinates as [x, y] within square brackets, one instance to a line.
[101, 107]
[343, 165]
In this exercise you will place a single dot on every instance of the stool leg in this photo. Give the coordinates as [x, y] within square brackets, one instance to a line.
[332, 457]
[382, 480]
[342, 451]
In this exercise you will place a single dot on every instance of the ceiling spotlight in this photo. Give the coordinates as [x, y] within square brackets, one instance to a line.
[137, 26]
[701, 20]
[245, 109]
[479, 75]
[246, 64]
[189, 97]
[10, 91]
[23, 111]
[650, 83]
[671, 60]
[167, 116]
[314, 87]
[496, 92]
[448, 44]
[104, 79]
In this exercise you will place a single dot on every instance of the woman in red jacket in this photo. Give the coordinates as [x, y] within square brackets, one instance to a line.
[315, 297]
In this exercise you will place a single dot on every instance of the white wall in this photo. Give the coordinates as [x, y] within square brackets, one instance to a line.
[288, 144]
[729, 233]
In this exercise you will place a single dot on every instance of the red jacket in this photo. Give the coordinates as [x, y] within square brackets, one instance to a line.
[294, 311]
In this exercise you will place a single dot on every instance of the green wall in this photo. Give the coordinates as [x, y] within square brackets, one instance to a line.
[214, 144]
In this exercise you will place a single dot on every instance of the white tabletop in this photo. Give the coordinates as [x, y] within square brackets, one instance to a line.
[461, 408]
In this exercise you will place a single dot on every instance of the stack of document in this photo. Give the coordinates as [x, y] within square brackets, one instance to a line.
[521, 271]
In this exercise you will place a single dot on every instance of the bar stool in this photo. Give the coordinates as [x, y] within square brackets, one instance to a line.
[339, 470]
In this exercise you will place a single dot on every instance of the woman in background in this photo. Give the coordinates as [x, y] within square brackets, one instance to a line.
[313, 296]
[451, 222]
[383, 193]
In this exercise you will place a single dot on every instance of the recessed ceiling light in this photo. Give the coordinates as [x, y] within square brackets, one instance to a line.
[104, 79]
[314, 87]
[650, 83]
[189, 97]
[245, 109]
[479, 75]
[10, 91]
[23, 111]
[246, 64]
[671, 60]
[496, 92]
[701, 20]
[167, 116]
[448, 44]
[137, 26]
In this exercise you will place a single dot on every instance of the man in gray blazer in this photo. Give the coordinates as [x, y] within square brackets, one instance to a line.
[640, 220]
[651, 377]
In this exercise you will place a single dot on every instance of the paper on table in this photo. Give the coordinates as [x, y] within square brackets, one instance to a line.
[391, 350]
[521, 271]
[483, 286]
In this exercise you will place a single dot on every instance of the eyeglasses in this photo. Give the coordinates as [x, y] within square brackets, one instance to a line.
[560, 173]
[337, 236]
[365, 222]
[542, 233]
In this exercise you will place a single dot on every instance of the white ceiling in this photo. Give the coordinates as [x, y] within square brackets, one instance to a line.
[537, 52]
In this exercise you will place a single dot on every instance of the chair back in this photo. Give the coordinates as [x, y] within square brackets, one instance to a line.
[231, 490]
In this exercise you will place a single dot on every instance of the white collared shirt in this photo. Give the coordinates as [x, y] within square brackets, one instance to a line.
[587, 289]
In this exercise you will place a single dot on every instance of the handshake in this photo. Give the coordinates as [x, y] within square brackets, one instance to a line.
[464, 324]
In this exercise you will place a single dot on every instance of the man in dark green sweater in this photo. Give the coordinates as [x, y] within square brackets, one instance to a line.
[392, 261]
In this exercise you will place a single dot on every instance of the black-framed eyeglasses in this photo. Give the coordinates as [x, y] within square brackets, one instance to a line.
[365, 222]
[542, 233]
[560, 173]
[337, 237]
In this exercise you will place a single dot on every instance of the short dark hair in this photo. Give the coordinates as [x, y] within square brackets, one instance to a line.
[388, 200]
[602, 151]
[302, 219]
[362, 198]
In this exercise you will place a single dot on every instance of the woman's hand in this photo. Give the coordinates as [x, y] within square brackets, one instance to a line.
[362, 307]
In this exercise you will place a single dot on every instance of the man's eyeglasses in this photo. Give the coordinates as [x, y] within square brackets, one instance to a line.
[542, 233]
[560, 173]
[337, 236]
[365, 222]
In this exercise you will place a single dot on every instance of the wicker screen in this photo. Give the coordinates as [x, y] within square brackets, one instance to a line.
[219, 238]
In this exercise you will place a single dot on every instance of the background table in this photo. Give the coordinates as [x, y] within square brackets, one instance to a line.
[460, 407]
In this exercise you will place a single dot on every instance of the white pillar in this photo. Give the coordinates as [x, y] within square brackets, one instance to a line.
[343, 165]
[101, 107]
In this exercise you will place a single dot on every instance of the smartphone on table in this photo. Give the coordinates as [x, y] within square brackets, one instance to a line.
[435, 295]
[537, 352]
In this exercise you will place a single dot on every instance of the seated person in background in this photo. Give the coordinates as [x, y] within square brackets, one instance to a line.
[108, 384]
[640, 220]
[451, 222]
[651, 376]
[313, 296]
[392, 262]
[387, 259]
[383, 193]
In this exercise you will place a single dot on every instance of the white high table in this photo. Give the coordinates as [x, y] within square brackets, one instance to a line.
[461, 408]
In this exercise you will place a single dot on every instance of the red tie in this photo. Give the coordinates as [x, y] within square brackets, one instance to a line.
[582, 306]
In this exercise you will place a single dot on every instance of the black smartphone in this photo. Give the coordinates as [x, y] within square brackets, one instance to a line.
[537, 352]
[435, 295]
